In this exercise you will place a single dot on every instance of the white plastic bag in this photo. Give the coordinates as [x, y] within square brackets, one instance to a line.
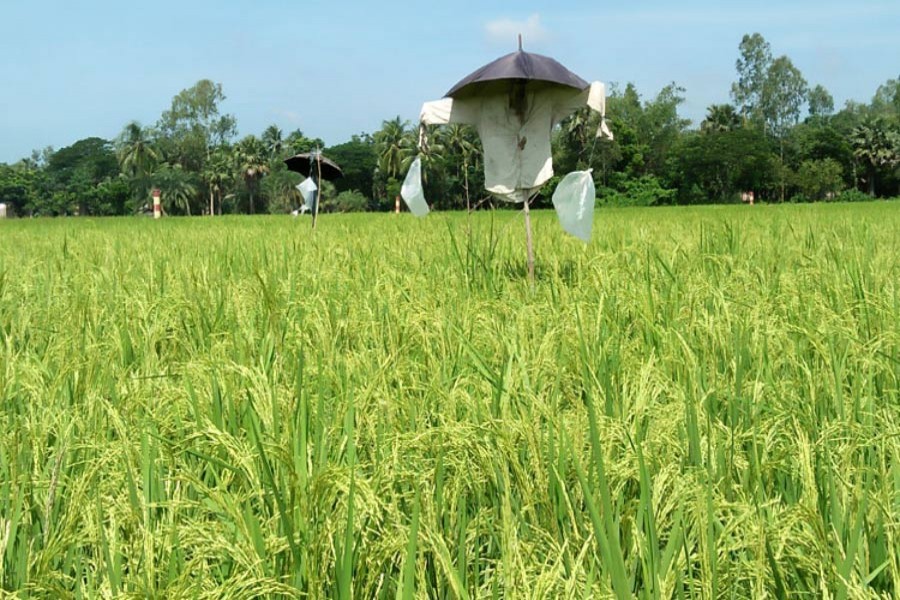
[411, 191]
[308, 191]
[574, 202]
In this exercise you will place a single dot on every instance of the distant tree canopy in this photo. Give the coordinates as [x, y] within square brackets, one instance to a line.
[781, 139]
[358, 161]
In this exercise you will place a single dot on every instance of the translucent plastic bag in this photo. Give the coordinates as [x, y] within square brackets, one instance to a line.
[411, 191]
[308, 190]
[574, 202]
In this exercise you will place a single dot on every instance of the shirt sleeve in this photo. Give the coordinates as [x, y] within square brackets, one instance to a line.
[448, 110]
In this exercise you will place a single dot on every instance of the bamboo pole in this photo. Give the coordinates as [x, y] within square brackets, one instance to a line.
[318, 188]
[528, 242]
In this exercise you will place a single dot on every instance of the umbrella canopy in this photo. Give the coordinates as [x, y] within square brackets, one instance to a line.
[521, 65]
[305, 164]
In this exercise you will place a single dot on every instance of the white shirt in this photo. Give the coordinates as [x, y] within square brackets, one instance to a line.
[517, 157]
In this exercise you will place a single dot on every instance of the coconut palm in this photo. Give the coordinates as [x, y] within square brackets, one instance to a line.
[135, 152]
[431, 154]
[273, 140]
[458, 139]
[137, 158]
[252, 165]
[393, 145]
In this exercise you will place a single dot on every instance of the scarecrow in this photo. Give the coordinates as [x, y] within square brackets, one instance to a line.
[315, 167]
[514, 103]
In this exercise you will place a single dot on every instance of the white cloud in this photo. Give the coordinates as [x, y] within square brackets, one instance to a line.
[504, 31]
[291, 116]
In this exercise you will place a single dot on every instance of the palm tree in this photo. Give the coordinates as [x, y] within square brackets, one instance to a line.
[877, 144]
[135, 152]
[137, 157]
[394, 147]
[218, 176]
[252, 165]
[273, 140]
[177, 186]
[719, 118]
[431, 154]
[458, 140]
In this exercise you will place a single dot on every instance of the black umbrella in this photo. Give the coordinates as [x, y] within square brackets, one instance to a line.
[306, 164]
[535, 69]
[317, 167]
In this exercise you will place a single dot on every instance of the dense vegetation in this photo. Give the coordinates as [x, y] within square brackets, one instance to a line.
[701, 403]
[759, 144]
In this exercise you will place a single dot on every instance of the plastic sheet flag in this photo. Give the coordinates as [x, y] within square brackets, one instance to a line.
[308, 191]
[574, 200]
[411, 191]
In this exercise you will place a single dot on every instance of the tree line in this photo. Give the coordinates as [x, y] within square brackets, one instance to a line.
[780, 139]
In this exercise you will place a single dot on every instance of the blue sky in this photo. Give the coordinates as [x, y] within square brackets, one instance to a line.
[70, 70]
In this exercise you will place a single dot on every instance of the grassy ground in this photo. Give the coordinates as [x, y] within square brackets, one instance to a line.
[701, 403]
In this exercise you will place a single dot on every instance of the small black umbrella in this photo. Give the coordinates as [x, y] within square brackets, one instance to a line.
[305, 164]
[315, 166]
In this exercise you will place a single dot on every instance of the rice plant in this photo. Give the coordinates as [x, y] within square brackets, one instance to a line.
[701, 403]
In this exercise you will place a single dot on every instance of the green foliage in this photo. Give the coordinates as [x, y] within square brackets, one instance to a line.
[819, 179]
[394, 146]
[358, 160]
[876, 144]
[886, 102]
[178, 188]
[73, 180]
[347, 201]
[817, 140]
[646, 131]
[279, 189]
[785, 91]
[136, 154]
[193, 124]
[252, 165]
[392, 190]
[722, 164]
[219, 176]
[273, 142]
[772, 92]
[644, 191]
[752, 68]
[111, 197]
[719, 118]
[91, 158]
[16, 188]
[852, 196]
[646, 134]
[821, 103]
[296, 143]
[653, 153]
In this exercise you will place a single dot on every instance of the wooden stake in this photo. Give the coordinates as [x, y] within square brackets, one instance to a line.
[528, 238]
[318, 188]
